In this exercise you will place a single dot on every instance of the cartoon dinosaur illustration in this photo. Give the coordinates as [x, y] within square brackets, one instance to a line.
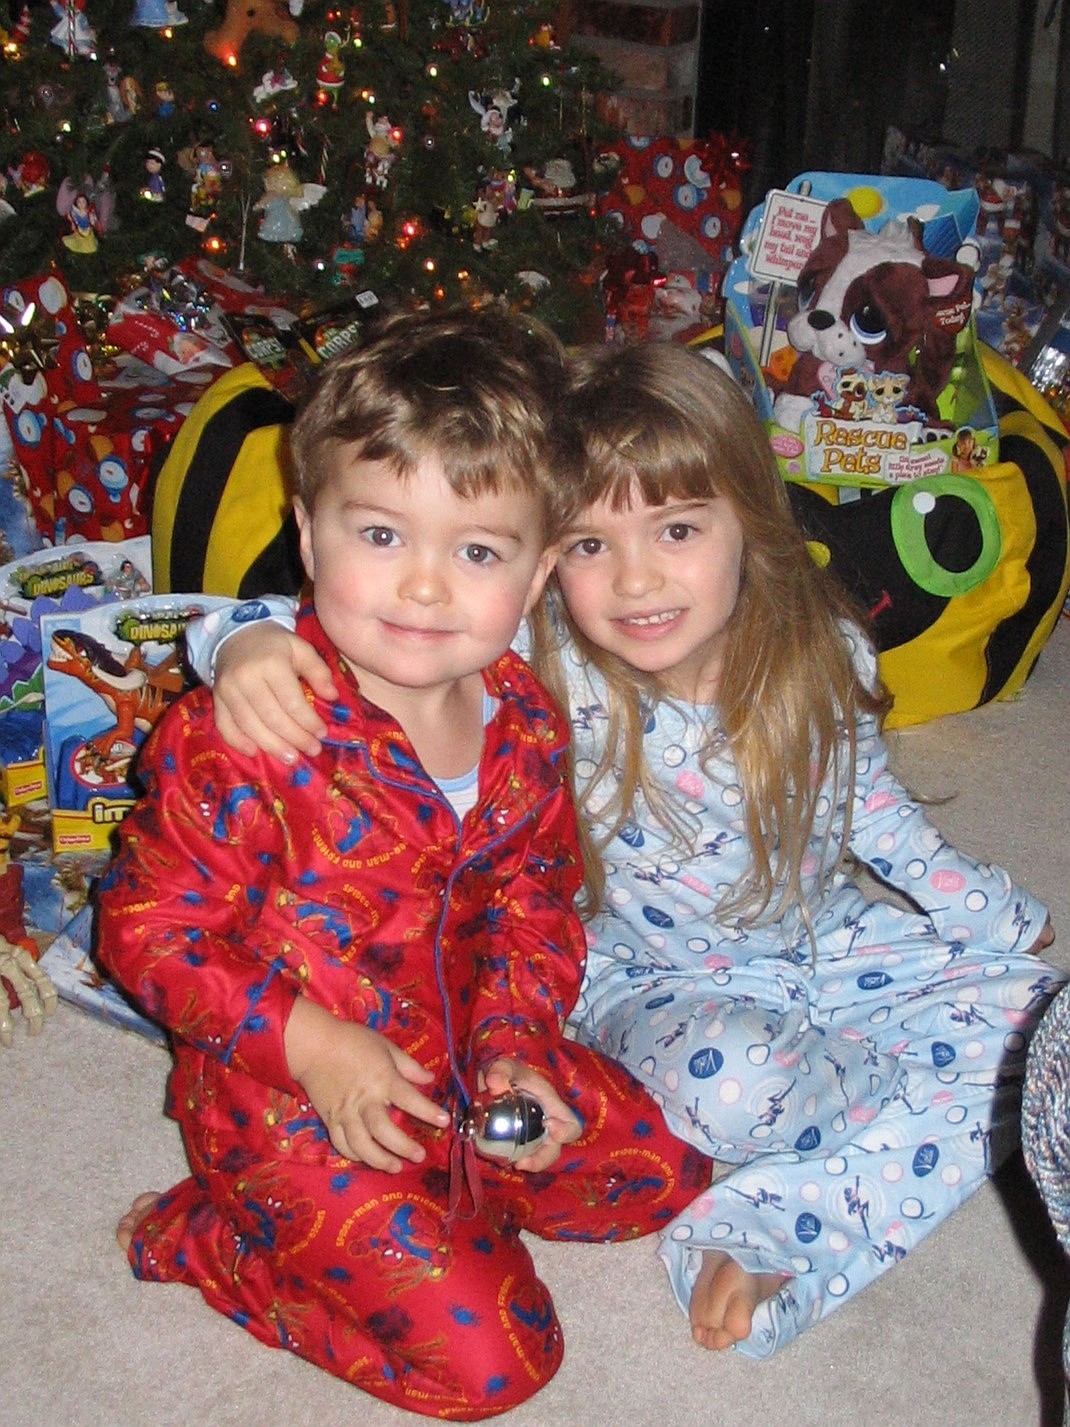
[135, 695]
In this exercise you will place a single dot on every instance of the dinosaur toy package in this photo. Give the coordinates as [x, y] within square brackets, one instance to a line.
[849, 317]
[109, 674]
[48, 581]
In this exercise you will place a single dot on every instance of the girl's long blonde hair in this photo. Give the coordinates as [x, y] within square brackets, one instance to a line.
[661, 420]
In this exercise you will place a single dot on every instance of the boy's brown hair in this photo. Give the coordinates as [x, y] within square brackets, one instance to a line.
[476, 388]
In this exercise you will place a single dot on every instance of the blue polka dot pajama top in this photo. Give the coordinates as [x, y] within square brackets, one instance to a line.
[856, 1093]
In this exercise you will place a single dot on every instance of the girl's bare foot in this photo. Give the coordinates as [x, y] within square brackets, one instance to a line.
[131, 1221]
[724, 1299]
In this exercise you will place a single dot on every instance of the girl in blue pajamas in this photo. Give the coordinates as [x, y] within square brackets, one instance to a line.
[854, 1064]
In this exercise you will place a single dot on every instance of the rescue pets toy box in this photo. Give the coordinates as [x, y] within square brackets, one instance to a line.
[849, 318]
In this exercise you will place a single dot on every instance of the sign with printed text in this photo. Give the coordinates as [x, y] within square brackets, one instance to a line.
[791, 226]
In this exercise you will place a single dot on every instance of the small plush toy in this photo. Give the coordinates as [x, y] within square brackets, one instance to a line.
[873, 303]
[246, 17]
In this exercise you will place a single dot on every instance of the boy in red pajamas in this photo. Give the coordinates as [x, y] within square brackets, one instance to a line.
[349, 949]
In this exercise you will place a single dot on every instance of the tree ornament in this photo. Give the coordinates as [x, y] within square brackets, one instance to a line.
[31, 174]
[508, 1127]
[330, 76]
[154, 188]
[276, 81]
[157, 15]
[284, 198]
[384, 140]
[72, 32]
[499, 113]
[201, 163]
[244, 18]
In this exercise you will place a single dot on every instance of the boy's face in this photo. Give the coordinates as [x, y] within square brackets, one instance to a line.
[414, 585]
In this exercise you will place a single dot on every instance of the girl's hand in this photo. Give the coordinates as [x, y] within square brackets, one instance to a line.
[354, 1077]
[562, 1124]
[1044, 940]
[258, 697]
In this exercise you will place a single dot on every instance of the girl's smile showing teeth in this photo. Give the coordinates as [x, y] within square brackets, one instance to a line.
[650, 619]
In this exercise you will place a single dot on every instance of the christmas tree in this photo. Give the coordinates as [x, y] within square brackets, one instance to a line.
[434, 150]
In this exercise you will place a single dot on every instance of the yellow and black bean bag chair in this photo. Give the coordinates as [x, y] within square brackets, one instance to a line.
[222, 519]
[963, 576]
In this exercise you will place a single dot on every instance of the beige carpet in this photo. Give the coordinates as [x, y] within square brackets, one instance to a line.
[963, 1334]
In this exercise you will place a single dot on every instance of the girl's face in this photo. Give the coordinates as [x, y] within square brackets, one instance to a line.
[657, 585]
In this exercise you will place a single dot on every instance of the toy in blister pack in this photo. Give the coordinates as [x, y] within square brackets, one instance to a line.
[50, 581]
[849, 317]
[109, 674]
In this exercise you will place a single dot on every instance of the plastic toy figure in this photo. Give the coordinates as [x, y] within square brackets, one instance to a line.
[154, 188]
[381, 151]
[165, 99]
[330, 76]
[82, 217]
[22, 981]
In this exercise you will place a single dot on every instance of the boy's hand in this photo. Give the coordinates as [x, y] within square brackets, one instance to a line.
[354, 1077]
[1044, 940]
[562, 1124]
[258, 697]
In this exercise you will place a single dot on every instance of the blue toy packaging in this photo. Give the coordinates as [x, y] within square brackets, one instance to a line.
[109, 673]
[849, 318]
[67, 579]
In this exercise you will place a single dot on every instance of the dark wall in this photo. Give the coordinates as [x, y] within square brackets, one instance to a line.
[814, 84]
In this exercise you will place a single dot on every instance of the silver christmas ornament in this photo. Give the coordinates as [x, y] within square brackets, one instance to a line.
[508, 1127]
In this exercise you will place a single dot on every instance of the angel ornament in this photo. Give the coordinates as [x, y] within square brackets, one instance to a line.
[284, 199]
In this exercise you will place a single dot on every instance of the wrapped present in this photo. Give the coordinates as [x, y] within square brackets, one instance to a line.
[79, 447]
[79, 979]
[1014, 189]
[45, 369]
[680, 200]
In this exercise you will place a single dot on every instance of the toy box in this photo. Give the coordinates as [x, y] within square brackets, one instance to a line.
[69, 579]
[109, 674]
[849, 318]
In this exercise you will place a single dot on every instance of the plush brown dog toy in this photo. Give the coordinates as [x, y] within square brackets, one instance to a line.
[873, 303]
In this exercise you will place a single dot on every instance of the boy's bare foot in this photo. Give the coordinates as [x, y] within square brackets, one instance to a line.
[129, 1224]
[724, 1299]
